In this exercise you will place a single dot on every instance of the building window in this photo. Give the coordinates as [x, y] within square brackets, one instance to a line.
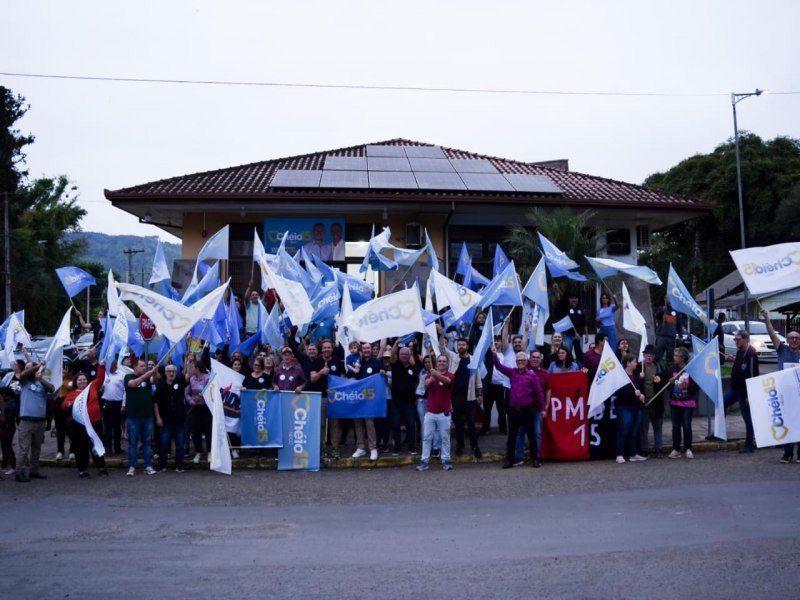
[618, 242]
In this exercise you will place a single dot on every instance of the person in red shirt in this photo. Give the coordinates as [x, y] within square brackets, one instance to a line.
[439, 383]
[81, 441]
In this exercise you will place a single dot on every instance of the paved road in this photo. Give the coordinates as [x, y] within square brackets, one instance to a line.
[720, 526]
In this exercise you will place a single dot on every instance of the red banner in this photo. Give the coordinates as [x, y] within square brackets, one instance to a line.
[566, 434]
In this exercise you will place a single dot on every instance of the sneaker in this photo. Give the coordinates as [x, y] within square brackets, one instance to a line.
[84, 475]
[689, 454]
[131, 472]
[196, 459]
[156, 456]
[436, 452]
[423, 466]
[59, 456]
[674, 454]
[446, 466]
[178, 470]
[150, 471]
[9, 471]
[373, 455]
[518, 463]
[536, 464]
[234, 453]
[359, 453]
[786, 459]
[72, 456]
[478, 453]
[395, 452]
[621, 460]
[103, 472]
[412, 452]
[640, 458]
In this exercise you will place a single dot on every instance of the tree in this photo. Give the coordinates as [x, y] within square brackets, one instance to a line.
[770, 176]
[40, 213]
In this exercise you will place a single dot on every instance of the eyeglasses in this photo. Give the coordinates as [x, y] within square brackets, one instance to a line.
[793, 337]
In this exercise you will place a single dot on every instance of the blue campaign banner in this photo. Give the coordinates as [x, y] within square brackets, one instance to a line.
[260, 417]
[356, 399]
[302, 420]
[323, 238]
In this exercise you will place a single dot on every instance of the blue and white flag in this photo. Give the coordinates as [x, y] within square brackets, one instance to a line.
[682, 301]
[216, 247]
[448, 293]
[360, 290]
[774, 406]
[327, 272]
[15, 334]
[433, 259]
[464, 261]
[697, 345]
[393, 315]
[233, 322]
[325, 302]
[500, 261]
[536, 288]
[271, 329]
[556, 271]
[288, 268]
[483, 344]
[197, 290]
[769, 269]
[345, 312]
[563, 325]
[556, 256]
[172, 319]
[74, 280]
[159, 272]
[704, 368]
[230, 387]
[476, 279]
[632, 320]
[606, 267]
[503, 289]
[302, 418]
[313, 272]
[261, 419]
[374, 257]
[356, 398]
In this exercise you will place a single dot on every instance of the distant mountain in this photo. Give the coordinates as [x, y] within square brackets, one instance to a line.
[109, 250]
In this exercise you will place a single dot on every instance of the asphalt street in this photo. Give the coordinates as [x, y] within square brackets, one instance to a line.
[722, 525]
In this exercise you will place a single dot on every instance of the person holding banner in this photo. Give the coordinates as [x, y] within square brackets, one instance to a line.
[437, 416]
[788, 353]
[682, 402]
[81, 441]
[32, 420]
[745, 366]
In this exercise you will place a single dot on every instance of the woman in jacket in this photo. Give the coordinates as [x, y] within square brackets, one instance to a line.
[199, 413]
[628, 407]
[682, 402]
[81, 442]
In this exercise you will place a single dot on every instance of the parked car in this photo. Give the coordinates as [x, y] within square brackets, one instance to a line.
[759, 339]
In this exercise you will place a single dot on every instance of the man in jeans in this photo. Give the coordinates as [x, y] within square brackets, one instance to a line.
[439, 383]
[139, 410]
[170, 413]
[466, 392]
[32, 421]
[745, 366]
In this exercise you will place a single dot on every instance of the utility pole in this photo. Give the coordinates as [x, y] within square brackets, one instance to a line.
[130, 252]
[7, 256]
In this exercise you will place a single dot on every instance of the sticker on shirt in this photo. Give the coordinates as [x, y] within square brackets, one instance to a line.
[260, 380]
[333, 368]
[175, 386]
[369, 370]
[411, 372]
[283, 377]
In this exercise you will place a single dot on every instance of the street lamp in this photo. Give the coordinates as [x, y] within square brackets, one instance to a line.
[735, 99]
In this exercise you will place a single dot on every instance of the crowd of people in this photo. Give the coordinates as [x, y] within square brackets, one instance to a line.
[161, 410]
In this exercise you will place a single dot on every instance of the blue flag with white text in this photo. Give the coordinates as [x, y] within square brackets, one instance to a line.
[356, 398]
[74, 280]
[261, 419]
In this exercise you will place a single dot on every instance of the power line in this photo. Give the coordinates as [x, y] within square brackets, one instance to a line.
[369, 87]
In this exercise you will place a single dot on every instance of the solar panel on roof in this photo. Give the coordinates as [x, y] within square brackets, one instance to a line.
[344, 179]
[433, 165]
[296, 178]
[392, 180]
[388, 164]
[486, 182]
[473, 165]
[345, 163]
[396, 151]
[424, 152]
[533, 183]
[439, 181]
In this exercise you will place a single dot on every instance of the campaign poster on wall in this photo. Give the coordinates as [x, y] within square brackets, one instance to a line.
[323, 238]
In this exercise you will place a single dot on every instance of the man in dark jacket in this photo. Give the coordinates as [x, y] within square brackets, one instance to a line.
[745, 366]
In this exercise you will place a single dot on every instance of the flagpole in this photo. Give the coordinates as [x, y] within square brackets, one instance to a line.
[657, 394]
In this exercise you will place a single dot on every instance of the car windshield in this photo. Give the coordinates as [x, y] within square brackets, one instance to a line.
[758, 328]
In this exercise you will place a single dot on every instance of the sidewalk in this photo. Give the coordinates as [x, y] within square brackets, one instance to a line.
[492, 446]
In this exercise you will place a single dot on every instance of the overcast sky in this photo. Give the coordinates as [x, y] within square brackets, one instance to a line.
[629, 88]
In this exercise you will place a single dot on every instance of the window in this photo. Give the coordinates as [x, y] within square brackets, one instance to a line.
[618, 242]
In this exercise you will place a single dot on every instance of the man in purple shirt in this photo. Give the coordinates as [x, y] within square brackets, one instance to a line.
[289, 376]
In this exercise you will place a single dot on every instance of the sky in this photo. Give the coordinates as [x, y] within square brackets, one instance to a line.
[623, 89]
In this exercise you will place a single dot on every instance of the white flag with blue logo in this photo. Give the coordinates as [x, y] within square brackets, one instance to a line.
[609, 378]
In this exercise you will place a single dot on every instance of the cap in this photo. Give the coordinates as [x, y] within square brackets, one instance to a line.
[387, 354]
[649, 349]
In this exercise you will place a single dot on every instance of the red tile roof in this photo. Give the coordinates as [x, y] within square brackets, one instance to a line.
[252, 181]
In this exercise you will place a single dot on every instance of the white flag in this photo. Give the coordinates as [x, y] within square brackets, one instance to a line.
[449, 293]
[61, 337]
[609, 378]
[345, 312]
[112, 296]
[632, 319]
[172, 319]
[207, 305]
[80, 414]
[393, 315]
[220, 455]
[230, 384]
[769, 269]
[775, 406]
[294, 299]
[215, 247]
[159, 272]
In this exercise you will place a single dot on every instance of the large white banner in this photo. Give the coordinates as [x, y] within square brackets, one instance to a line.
[173, 319]
[769, 269]
[775, 407]
[393, 315]
[80, 414]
